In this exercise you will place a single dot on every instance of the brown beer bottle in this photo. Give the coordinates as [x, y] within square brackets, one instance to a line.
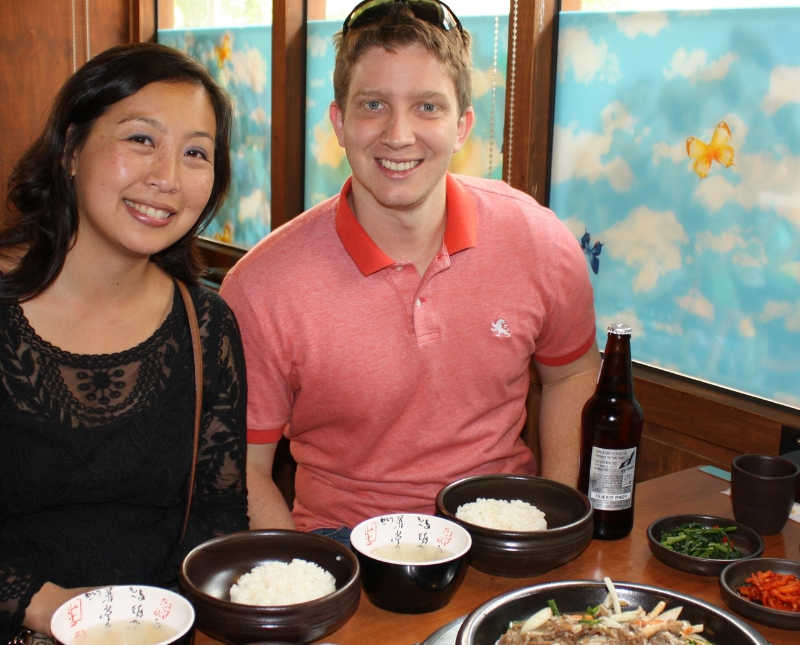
[611, 428]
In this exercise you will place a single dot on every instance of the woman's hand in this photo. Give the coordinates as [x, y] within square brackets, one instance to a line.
[44, 604]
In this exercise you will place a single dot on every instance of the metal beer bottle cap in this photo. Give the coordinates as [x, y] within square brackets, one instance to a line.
[619, 329]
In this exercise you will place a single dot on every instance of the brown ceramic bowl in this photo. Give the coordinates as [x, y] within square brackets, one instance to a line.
[568, 514]
[745, 539]
[735, 575]
[209, 570]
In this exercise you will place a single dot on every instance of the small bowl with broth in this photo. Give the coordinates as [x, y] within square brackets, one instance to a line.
[503, 514]
[411, 563]
[124, 615]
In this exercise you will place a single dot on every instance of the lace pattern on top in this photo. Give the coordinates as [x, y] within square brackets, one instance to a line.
[97, 450]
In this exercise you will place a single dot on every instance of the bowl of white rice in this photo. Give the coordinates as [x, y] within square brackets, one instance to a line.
[521, 525]
[271, 586]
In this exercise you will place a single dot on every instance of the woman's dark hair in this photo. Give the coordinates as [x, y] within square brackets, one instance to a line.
[42, 207]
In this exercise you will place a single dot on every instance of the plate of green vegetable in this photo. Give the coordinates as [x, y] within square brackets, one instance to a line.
[703, 544]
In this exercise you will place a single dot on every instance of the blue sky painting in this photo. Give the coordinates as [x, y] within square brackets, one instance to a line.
[677, 148]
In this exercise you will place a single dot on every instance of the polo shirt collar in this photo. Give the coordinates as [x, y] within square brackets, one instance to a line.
[460, 229]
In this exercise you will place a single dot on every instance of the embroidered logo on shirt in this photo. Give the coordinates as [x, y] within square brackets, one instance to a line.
[500, 328]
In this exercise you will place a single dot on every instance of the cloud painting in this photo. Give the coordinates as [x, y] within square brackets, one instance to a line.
[677, 144]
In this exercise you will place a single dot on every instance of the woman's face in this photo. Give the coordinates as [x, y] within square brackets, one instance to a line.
[145, 172]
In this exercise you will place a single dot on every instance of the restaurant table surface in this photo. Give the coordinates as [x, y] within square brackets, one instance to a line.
[628, 559]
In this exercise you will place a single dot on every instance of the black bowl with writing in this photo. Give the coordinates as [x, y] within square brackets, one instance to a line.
[411, 563]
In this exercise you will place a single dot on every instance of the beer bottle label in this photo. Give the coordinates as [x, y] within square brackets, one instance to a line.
[611, 478]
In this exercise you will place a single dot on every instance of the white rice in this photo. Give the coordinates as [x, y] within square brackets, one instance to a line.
[502, 514]
[281, 583]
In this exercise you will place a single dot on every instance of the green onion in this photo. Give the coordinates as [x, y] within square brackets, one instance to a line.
[553, 607]
[593, 611]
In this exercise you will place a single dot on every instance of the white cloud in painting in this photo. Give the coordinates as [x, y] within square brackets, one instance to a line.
[589, 60]
[792, 269]
[747, 328]
[696, 303]
[581, 154]
[254, 206]
[318, 46]
[784, 84]
[315, 84]
[695, 66]
[790, 398]
[745, 251]
[576, 225]
[259, 115]
[765, 182]
[668, 327]
[250, 69]
[674, 152]
[616, 117]
[316, 198]
[649, 23]
[643, 134]
[789, 312]
[628, 316]
[484, 79]
[724, 242]
[650, 242]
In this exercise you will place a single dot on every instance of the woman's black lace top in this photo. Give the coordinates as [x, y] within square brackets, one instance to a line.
[95, 453]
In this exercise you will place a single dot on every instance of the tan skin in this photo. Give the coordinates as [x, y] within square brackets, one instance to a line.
[400, 126]
[142, 179]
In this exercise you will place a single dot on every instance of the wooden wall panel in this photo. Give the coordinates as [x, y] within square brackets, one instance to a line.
[288, 109]
[664, 451]
[37, 55]
[532, 32]
[44, 41]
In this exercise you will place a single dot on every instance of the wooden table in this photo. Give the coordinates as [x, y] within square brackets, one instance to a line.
[628, 559]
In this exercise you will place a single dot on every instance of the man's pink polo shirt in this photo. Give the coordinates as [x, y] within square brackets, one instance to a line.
[390, 385]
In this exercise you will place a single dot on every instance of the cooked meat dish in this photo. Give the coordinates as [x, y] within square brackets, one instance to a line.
[605, 624]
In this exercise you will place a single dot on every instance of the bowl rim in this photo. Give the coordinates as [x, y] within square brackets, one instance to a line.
[174, 595]
[346, 588]
[490, 605]
[655, 543]
[486, 530]
[450, 558]
[770, 611]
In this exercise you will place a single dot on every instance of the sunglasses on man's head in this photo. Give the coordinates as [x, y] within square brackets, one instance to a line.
[431, 11]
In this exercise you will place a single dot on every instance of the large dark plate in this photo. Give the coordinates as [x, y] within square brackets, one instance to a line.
[489, 621]
[734, 576]
[743, 538]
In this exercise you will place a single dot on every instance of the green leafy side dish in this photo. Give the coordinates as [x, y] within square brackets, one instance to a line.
[700, 541]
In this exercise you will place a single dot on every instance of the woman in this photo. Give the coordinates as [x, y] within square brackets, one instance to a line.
[97, 389]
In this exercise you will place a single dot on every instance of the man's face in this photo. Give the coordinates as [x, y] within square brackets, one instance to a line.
[400, 126]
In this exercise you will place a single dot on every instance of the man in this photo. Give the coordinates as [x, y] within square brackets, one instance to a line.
[389, 330]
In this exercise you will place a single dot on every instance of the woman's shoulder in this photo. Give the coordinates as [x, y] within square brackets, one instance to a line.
[210, 306]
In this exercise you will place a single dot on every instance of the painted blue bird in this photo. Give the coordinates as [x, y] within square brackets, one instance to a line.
[592, 251]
